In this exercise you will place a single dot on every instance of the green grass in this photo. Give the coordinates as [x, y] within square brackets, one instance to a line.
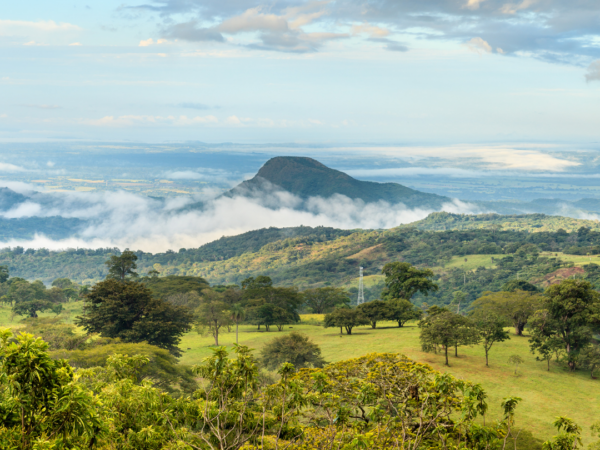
[473, 261]
[545, 394]
[578, 260]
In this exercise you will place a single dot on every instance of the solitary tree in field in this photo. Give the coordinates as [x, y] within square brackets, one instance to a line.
[403, 280]
[490, 327]
[346, 318]
[122, 267]
[295, 348]
[402, 311]
[213, 313]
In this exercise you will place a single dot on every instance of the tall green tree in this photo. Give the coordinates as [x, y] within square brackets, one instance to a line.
[490, 327]
[213, 313]
[323, 300]
[516, 306]
[574, 310]
[122, 267]
[543, 338]
[403, 280]
[445, 329]
[375, 311]
[402, 311]
[346, 318]
[127, 310]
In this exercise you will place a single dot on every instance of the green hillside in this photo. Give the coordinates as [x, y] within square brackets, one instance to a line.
[442, 221]
[473, 260]
[306, 177]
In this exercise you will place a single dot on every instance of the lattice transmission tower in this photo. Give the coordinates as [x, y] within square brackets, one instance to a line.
[361, 289]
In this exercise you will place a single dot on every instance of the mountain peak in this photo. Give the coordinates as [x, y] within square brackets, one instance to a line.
[307, 177]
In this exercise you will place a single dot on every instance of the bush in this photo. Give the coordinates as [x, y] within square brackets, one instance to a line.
[293, 348]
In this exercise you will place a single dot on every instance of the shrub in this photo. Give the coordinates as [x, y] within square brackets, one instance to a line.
[295, 348]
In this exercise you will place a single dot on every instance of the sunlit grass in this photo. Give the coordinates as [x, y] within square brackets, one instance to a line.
[545, 394]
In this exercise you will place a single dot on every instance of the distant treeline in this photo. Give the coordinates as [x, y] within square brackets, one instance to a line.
[312, 257]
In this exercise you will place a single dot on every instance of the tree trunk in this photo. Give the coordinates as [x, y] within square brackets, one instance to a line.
[456, 350]
[549, 363]
[341, 332]
[236, 333]
[400, 324]
[348, 330]
[267, 327]
[486, 358]
[446, 348]
[373, 325]
[216, 336]
[519, 329]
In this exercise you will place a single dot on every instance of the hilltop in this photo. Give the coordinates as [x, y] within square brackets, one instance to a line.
[307, 177]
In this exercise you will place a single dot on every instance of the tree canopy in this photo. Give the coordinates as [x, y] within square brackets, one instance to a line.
[127, 310]
[295, 348]
[403, 280]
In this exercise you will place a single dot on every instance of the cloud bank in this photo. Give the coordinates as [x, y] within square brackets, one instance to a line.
[128, 220]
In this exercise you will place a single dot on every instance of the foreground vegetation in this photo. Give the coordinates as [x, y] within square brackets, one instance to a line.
[137, 336]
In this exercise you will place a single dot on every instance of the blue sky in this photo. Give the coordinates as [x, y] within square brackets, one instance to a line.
[386, 71]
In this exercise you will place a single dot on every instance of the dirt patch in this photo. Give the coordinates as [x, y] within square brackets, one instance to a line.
[559, 275]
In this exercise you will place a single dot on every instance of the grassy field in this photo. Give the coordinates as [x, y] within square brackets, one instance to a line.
[472, 262]
[545, 394]
[576, 259]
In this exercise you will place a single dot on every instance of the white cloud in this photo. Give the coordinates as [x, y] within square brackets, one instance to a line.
[3, 116]
[50, 164]
[593, 71]
[75, 44]
[493, 157]
[25, 209]
[6, 167]
[478, 45]
[125, 219]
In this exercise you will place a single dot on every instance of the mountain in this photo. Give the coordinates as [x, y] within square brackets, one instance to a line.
[306, 177]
